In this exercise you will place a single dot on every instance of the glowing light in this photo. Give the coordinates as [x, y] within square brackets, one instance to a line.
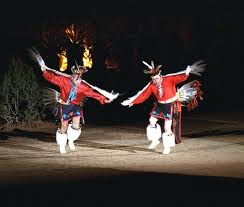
[72, 39]
[73, 33]
[63, 61]
[87, 60]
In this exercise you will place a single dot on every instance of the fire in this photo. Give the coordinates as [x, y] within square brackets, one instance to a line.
[87, 60]
[63, 61]
[69, 41]
[73, 33]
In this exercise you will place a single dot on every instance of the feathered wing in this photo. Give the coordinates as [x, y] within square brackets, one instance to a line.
[37, 58]
[111, 96]
[189, 93]
[131, 99]
[35, 55]
[196, 68]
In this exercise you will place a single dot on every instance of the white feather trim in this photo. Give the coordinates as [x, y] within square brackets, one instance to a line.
[111, 96]
[145, 63]
[178, 73]
[131, 99]
[59, 73]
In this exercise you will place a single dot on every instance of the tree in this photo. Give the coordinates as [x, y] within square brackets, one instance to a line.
[20, 94]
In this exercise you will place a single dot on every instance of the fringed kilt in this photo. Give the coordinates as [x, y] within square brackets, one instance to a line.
[67, 112]
[169, 111]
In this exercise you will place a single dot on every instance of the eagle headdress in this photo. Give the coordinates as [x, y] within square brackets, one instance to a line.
[152, 69]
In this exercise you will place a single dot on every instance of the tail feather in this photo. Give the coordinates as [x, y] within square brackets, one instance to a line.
[51, 97]
[189, 93]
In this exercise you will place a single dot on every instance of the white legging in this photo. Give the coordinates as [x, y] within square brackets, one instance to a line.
[167, 124]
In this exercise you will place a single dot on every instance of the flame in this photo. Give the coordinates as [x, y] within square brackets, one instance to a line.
[87, 60]
[63, 61]
[72, 33]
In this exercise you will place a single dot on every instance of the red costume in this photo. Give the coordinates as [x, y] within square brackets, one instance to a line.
[70, 99]
[168, 106]
[169, 90]
[65, 86]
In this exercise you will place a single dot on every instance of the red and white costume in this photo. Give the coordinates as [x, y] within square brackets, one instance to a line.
[168, 106]
[72, 92]
[168, 86]
[83, 90]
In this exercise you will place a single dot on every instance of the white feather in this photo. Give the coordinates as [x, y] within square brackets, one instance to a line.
[36, 57]
[198, 67]
[111, 96]
[186, 93]
[131, 99]
[178, 73]
[59, 73]
[145, 63]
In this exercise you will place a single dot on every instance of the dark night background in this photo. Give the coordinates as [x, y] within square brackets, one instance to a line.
[171, 33]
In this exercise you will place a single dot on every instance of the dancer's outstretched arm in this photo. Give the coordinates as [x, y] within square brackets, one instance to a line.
[197, 68]
[34, 53]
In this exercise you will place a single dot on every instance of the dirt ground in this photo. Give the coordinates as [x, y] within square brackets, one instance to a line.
[112, 166]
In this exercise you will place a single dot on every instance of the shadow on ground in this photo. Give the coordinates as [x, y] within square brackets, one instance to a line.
[48, 136]
[130, 189]
[209, 133]
[42, 136]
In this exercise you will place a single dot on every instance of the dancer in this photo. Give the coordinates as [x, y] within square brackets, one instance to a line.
[73, 90]
[168, 105]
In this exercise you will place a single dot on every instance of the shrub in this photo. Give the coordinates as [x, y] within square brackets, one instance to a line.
[20, 94]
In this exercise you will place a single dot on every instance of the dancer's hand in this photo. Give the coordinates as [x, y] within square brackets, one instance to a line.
[196, 68]
[107, 101]
[126, 103]
[188, 70]
[43, 68]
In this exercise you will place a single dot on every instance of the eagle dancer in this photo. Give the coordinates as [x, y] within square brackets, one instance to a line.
[169, 102]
